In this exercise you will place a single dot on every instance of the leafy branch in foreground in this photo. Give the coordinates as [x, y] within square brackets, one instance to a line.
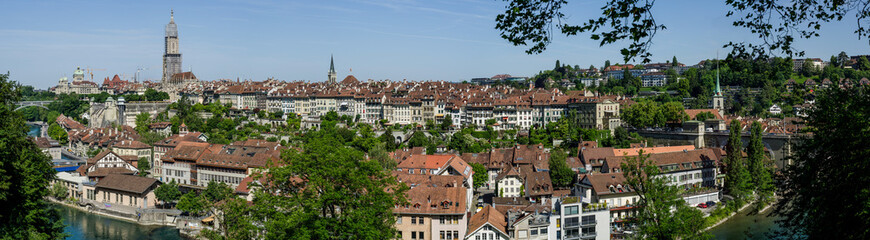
[776, 23]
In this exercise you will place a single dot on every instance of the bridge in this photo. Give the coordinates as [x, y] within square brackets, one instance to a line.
[72, 156]
[24, 104]
[779, 146]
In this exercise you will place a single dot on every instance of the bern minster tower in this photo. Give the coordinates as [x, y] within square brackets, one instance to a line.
[171, 55]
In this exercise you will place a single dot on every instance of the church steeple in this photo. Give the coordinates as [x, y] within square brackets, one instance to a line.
[331, 64]
[718, 89]
[718, 99]
[331, 75]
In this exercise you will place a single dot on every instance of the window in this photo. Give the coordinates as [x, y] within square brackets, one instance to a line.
[588, 220]
[413, 221]
[571, 210]
[399, 220]
[421, 235]
[544, 231]
[413, 235]
[571, 222]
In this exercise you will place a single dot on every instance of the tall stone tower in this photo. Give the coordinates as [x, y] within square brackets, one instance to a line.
[332, 75]
[171, 55]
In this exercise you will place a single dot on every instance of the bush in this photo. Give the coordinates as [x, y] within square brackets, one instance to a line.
[59, 191]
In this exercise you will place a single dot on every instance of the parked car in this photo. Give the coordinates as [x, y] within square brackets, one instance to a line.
[702, 205]
[710, 203]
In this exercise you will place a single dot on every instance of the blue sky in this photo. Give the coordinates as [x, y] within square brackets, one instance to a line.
[41, 41]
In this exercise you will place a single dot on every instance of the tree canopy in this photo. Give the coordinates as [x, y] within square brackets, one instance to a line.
[824, 193]
[329, 190]
[560, 174]
[25, 173]
[738, 179]
[167, 192]
[776, 24]
[480, 174]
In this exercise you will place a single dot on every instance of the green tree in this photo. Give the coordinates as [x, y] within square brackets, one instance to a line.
[56, 132]
[863, 64]
[759, 167]
[142, 122]
[560, 174]
[480, 174]
[621, 138]
[447, 122]
[738, 180]
[842, 59]
[703, 116]
[25, 174]
[807, 68]
[673, 112]
[643, 114]
[144, 166]
[59, 191]
[388, 140]
[418, 139]
[380, 155]
[630, 22]
[328, 191]
[217, 191]
[193, 203]
[824, 192]
[236, 221]
[674, 62]
[150, 137]
[490, 122]
[662, 213]
[69, 105]
[152, 95]
[167, 192]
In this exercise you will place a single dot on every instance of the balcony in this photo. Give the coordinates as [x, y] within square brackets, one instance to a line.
[588, 223]
[587, 235]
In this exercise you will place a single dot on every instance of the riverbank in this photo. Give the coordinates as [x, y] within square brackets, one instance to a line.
[747, 224]
[81, 224]
[109, 215]
[728, 217]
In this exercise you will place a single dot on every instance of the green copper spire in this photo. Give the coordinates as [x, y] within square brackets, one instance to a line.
[331, 64]
[718, 89]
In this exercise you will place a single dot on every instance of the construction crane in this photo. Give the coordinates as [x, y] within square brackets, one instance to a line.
[90, 71]
[139, 69]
